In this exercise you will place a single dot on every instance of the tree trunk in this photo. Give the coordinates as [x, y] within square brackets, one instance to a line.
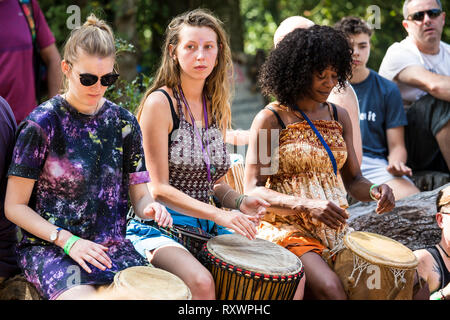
[412, 222]
[125, 27]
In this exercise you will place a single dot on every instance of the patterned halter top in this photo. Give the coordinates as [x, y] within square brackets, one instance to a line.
[187, 168]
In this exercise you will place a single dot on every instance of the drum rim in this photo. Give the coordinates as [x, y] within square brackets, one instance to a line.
[117, 282]
[251, 274]
[378, 259]
[207, 254]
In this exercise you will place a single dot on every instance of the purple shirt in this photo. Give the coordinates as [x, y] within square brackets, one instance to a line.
[16, 55]
[83, 166]
[8, 265]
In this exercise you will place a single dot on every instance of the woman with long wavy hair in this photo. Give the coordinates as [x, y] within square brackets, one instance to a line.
[184, 116]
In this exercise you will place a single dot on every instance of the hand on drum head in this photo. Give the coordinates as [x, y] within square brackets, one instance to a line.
[239, 222]
[87, 251]
[159, 214]
[327, 212]
[385, 198]
[255, 207]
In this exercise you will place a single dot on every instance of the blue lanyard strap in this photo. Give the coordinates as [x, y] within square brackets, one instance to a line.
[327, 148]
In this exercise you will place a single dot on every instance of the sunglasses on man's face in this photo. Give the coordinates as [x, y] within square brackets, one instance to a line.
[418, 16]
[88, 79]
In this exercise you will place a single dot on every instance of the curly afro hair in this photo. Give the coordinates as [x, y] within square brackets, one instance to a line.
[287, 74]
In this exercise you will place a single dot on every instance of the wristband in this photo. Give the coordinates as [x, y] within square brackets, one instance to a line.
[438, 295]
[239, 200]
[370, 192]
[70, 243]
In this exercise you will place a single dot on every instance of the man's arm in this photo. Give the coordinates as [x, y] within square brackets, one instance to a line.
[52, 60]
[435, 84]
[397, 152]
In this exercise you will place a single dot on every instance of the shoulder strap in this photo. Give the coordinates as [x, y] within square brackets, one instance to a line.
[175, 119]
[27, 9]
[322, 140]
[280, 122]
[335, 114]
[437, 257]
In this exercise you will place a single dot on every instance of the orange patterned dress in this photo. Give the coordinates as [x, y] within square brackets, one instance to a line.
[305, 170]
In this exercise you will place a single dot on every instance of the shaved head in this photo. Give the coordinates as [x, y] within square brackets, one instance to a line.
[290, 24]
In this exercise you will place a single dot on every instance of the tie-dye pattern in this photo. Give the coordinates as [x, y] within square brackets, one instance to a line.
[83, 166]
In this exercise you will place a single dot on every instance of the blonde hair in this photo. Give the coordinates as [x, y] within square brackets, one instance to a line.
[218, 85]
[94, 37]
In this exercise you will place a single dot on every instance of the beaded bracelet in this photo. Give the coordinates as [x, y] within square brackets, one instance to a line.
[239, 201]
[70, 243]
[370, 192]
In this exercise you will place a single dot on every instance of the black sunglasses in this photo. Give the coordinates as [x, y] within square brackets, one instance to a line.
[418, 16]
[88, 79]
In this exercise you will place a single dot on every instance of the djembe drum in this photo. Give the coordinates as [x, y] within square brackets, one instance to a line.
[375, 267]
[145, 283]
[246, 269]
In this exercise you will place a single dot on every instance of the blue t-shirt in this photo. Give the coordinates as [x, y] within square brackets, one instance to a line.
[381, 108]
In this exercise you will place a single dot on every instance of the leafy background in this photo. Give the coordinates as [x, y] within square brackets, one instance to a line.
[140, 24]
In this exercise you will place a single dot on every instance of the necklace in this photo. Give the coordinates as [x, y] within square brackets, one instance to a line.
[443, 250]
[211, 169]
[89, 114]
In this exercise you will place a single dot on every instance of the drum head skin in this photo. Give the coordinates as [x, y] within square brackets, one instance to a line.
[380, 250]
[148, 283]
[257, 255]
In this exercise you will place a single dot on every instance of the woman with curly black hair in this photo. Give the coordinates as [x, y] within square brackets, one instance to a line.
[301, 157]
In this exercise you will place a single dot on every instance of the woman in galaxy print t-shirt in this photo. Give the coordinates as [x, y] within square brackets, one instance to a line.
[76, 159]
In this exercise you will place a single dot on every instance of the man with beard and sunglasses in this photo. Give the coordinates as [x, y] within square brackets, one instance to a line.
[420, 65]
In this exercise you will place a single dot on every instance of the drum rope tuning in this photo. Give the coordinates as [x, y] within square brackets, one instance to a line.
[389, 264]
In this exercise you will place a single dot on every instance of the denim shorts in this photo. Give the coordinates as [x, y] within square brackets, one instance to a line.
[147, 238]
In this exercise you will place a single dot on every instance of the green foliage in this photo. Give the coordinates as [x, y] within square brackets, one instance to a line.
[129, 94]
[57, 15]
[125, 93]
[260, 20]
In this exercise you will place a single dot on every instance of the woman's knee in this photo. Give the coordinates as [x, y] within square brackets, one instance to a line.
[332, 289]
[202, 284]
[321, 282]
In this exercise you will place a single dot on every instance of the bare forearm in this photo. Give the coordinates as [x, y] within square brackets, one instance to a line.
[435, 84]
[140, 204]
[280, 203]
[397, 153]
[29, 220]
[440, 89]
[359, 189]
[226, 195]
[181, 202]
